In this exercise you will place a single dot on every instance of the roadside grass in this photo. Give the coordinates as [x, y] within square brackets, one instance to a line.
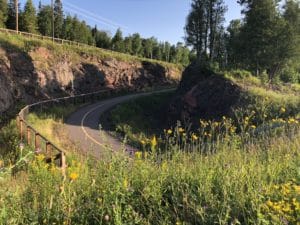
[256, 181]
[226, 172]
[138, 119]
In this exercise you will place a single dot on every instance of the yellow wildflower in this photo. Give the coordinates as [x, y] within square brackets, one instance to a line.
[180, 130]
[40, 157]
[253, 126]
[169, 132]
[282, 109]
[74, 176]
[194, 137]
[125, 183]
[153, 141]
[138, 155]
[143, 142]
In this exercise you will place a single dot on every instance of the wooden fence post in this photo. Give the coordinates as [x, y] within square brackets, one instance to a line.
[36, 142]
[49, 149]
[63, 163]
[28, 136]
[21, 130]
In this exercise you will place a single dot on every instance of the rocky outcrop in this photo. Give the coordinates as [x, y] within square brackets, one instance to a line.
[40, 73]
[203, 94]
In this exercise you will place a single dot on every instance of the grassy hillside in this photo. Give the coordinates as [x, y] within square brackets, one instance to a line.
[72, 51]
[145, 117]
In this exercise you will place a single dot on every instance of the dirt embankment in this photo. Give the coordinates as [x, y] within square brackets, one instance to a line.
[39, 73]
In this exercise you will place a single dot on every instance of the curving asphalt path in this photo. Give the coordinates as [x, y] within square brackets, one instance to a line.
[84, 129]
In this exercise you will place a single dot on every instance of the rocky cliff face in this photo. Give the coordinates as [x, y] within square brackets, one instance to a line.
[41, 73]
[203, 94]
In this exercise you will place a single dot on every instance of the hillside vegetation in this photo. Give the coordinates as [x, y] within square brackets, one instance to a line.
[242, 170]
[33, 69]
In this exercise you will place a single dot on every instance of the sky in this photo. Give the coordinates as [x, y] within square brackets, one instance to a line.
[163, 19]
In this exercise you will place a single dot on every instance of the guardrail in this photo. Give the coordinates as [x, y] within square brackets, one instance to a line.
[40, 143]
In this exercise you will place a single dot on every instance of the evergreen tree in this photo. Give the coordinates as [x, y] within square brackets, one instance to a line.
[136, 44]
[128, 45]
[11, 15]
[68, 32]
[233, 44]
[267, 40]
[148, 45]
[117, 43]
[103, 40]
[58, 19]
[44, 20]
[204, 23]
[3, 12]
[28, 19]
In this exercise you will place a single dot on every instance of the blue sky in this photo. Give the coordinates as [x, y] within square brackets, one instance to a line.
[163, 19]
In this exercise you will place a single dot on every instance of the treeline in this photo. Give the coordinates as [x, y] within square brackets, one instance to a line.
[69, 27]
[266, 41]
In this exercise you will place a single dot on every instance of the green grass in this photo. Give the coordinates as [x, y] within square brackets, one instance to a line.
[138, 119]
[233, 185]
[73, 52]
[223, 173]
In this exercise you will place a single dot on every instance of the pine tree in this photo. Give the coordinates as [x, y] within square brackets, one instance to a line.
[58, 19]
[3, 12]
[11, 15]
[267, 40]
[28, 18]
[44, 20]
[204, 24]
[117, 43]
[136, 44]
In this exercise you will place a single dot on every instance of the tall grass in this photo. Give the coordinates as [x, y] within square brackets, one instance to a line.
[240, 181]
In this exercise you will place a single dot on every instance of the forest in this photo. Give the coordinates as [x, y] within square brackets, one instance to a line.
[70, 27]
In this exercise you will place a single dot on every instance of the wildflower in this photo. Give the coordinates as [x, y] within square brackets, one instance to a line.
[246, 118]
[253, 126]
[125, 183]
[265, 116]
[138, 155]
[282, 109]
[232, 129]
[153, 141]
[180, 130]
[169, 132]
[40, 157]
[74, 176]
[216, 124]
[224, 117]
[143, 142]
[194, 137]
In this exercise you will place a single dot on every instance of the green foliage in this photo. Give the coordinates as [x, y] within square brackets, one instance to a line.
[28, 18]
[204, 25]
[230, 186]
[44, 20]
[59, 19]
[3, 12]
